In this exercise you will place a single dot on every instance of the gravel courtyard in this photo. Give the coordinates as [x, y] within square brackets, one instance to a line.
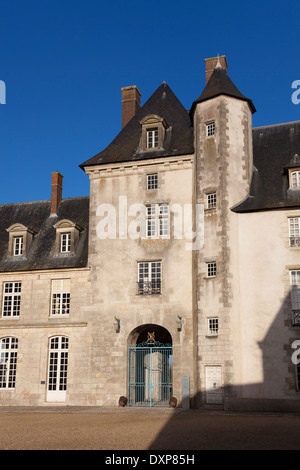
[144, 429]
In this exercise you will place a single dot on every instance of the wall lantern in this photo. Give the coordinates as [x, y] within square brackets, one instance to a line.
[117, 324]
[179, 323]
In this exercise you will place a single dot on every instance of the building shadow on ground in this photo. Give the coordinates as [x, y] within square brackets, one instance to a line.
[246, 419]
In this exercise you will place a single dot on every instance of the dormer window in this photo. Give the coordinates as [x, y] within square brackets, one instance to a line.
[152, 138]
[65, 242]
[18, 246]
[67, 234]
[153, 132]
[295, 179]
[19, 241]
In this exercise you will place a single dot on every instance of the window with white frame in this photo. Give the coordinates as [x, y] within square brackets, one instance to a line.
[211, 200]
[149, 277]
[11, 299]
[294, 231]
[58, 364]
[8, 362]
[211, 269]
[213, 326]
[18, 246]
[157, 221]
[65, 242]
[295, 295]
[60, 298]
[295, 179]
[152, 181]
[152, 138]
[210, 129]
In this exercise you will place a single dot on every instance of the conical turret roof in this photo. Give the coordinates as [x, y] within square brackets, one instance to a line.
[220, 84]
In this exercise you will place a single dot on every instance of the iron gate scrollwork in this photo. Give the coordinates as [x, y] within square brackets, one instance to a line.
[150, 374]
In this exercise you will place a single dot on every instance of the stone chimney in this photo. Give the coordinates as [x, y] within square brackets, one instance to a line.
[56, 191]
[210, 65]
[131, 98]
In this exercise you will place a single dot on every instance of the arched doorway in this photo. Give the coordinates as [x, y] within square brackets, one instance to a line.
[150, 366]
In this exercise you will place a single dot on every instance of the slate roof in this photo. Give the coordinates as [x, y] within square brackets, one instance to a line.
[220, 84]
[126, 146]
[41, 253]
[275, 149]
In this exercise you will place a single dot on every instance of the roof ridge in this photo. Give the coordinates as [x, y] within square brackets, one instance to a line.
[41, 201]
[277, 125]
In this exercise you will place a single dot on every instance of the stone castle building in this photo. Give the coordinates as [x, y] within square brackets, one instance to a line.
[179, 276]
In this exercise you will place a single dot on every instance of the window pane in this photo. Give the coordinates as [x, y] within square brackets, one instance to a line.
[65, 242]
[295, 183]
[149, 281]
[211, 200]
[11, 299]
[213, 326]
[8, 362]
[152, 181]
[210, 129]
[58, 364]
[211, 269]
[18, 246]
[60, 297]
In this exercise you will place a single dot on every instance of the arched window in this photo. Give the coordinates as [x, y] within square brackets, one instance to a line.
[8, 362]
[57, 368]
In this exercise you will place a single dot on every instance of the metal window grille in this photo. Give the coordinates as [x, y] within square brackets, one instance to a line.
[152, 181]
[152, 138]
[11, 299]
[211, 200]
[157, 221]
[212, 269]
[60, 297]
[210, 129]
[213, 326]
[8, 362]
[149, 277]
[18, 246]
[58, 363]
[65, 242]
[294, 231]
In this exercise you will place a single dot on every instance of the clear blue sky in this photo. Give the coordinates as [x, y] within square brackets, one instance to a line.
[64, 63]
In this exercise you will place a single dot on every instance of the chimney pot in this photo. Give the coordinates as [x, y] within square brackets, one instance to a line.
[56, 191]
[131, 103]
[210, 65]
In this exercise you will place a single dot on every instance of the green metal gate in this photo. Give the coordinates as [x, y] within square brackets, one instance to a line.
[150, 374]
